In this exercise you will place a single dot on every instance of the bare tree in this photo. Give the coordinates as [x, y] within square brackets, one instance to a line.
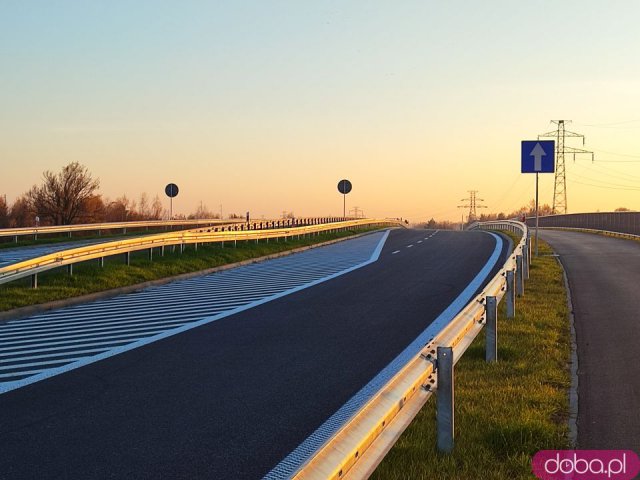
[118, 210]
[4, 212]
[62, 196]
[203, 212]
[143, 209]
[156, 208]
[22, 214]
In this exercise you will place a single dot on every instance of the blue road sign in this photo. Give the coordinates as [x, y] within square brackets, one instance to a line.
[538, 156]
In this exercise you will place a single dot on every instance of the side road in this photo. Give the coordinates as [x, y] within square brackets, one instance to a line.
[604, 278]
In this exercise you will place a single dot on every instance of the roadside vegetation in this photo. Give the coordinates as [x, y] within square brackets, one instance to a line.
[506, 411]
[89, 277]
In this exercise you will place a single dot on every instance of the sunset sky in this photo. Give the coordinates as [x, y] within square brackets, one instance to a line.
[265, 105]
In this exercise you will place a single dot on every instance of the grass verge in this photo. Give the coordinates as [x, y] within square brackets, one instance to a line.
[89, 277]
[506, 411]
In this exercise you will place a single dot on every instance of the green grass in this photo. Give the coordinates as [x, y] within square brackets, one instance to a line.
[89, 277]
[506, 411]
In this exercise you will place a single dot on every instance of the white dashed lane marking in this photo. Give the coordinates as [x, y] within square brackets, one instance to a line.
[397, 251]
[409, 246]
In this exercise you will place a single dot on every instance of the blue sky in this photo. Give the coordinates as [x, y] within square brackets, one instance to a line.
[264, 106]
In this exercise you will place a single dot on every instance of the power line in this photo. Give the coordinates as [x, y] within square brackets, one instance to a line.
[560, 185]
[611, 173]
[606, 187]
[613, 124]
[604, 182]
[616, 154]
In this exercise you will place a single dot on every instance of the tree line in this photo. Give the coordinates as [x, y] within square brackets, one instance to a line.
[71, 196]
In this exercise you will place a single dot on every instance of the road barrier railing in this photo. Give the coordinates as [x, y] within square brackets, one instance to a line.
[595, 230]
[620, 222]
[359, 446]
[101, 227]
[273, 230]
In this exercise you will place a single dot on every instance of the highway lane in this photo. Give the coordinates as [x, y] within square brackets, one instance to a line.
[604, 274]
[232, 398]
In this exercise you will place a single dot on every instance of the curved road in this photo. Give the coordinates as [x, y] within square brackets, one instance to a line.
[604, 279]
[232, 398]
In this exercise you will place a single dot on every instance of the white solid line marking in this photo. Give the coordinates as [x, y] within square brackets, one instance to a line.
[397, 251]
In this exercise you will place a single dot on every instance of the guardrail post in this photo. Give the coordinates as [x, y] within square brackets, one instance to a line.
[70, 269]
[182, 248]
[151, 254]
[34, 280]
[127, 258]
[525, 263]
[445, 400]
[195, 246]
[101, 262]
[69, 234]
[511, 295]
[491, 339]
[520, 279]
[15, 239]
[162, 251]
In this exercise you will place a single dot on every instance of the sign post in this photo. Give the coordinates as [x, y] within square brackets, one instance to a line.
[538, 156]
[171, 190]
[344, 187]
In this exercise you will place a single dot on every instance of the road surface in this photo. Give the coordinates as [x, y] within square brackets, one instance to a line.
[238, 394]
[604, 279]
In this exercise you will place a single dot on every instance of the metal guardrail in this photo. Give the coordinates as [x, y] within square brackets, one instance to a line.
[595, 230]
[621, 222]
[181, 238]
[359, 446]
[99, 227]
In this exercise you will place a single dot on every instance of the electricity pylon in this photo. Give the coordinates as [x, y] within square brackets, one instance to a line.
[560, 185]
[472, 204]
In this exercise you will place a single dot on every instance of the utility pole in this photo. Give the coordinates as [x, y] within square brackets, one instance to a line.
[560, 185]
[472, 204]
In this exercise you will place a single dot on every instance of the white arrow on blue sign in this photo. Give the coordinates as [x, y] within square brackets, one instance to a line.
[538, 156]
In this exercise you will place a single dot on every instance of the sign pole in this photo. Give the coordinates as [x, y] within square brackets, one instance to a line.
[170, 208]
[344, 205]
[536, 214]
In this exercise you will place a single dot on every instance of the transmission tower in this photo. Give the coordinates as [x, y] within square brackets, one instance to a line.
[560, 185]
[357, 212]
[472, 204]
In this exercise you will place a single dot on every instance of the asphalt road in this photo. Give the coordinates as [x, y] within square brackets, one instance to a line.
[604, 279]
[232, 398]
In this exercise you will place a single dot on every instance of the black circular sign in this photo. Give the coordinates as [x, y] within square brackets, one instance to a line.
[344, 186]
[171, 190]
